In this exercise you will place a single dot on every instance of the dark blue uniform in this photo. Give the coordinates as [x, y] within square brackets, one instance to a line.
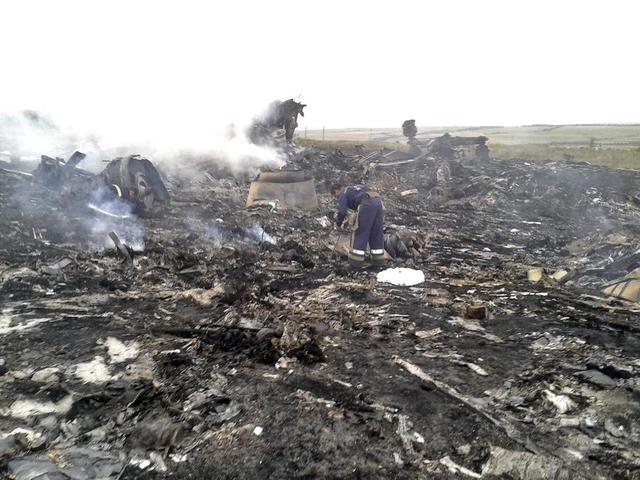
[369, 222]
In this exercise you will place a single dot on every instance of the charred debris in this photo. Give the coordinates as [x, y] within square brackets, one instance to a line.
[219, 335]
[132, 179]
[277, 124]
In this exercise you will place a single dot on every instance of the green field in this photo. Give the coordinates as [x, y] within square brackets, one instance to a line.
[614, 145]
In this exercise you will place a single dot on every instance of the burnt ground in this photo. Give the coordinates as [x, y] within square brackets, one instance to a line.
[218, 354]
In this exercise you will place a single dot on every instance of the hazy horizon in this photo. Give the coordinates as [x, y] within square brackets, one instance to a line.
[484, 126]
[172, 73]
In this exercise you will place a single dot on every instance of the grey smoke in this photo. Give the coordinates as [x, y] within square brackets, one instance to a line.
[112, 214]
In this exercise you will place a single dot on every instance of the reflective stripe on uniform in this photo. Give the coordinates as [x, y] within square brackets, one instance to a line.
[358, 252]
[377, 251]
[356, 257]
[354, 228]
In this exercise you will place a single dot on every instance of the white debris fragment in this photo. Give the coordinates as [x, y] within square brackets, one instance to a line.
[257, 431]
[119, 352]
[401, 276]
[324, 221]
[561, 402]
[535, 274]
[15, 431]
[6, 318]
[141, 463]
[476, 368]
[178, 458]
[32, 436]
[340, 382]
[171, 352]
[570, 422]
[590, 422]
[455, 468]
[46, 375]
[285, 363]
[308, 397]
[573, 453]
[30, 408]
[20, 374]
[424, 334]
[158, 462]
[94, 371]
[560, 275]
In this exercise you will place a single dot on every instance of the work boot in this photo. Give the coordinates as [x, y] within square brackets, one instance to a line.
[376, 267]
[355, 265]
[378, 263]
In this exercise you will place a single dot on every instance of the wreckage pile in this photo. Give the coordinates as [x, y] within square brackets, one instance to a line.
[220, 341]
[277, 124]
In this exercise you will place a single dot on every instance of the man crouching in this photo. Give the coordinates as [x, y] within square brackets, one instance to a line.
[368, 228]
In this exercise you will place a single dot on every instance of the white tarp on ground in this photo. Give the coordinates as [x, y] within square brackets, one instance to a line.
[401, 276]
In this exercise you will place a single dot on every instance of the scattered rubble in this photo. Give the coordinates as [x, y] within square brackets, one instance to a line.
[222, 341]
[133, 179]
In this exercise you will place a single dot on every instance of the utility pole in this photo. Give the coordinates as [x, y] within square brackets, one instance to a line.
[322, 133]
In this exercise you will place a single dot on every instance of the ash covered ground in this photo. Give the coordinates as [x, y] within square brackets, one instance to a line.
[238, 344]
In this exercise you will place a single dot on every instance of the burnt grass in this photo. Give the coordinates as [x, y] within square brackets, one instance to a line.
[307, 353]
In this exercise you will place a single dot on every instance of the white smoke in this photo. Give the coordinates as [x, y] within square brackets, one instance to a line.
[257, 234]
[28, 134]
[112, 214]
[220, 235]
[172, 143]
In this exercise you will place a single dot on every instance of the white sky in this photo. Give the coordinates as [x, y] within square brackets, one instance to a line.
[152, 67]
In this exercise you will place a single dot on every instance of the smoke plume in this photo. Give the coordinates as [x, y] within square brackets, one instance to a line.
[173, 145]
